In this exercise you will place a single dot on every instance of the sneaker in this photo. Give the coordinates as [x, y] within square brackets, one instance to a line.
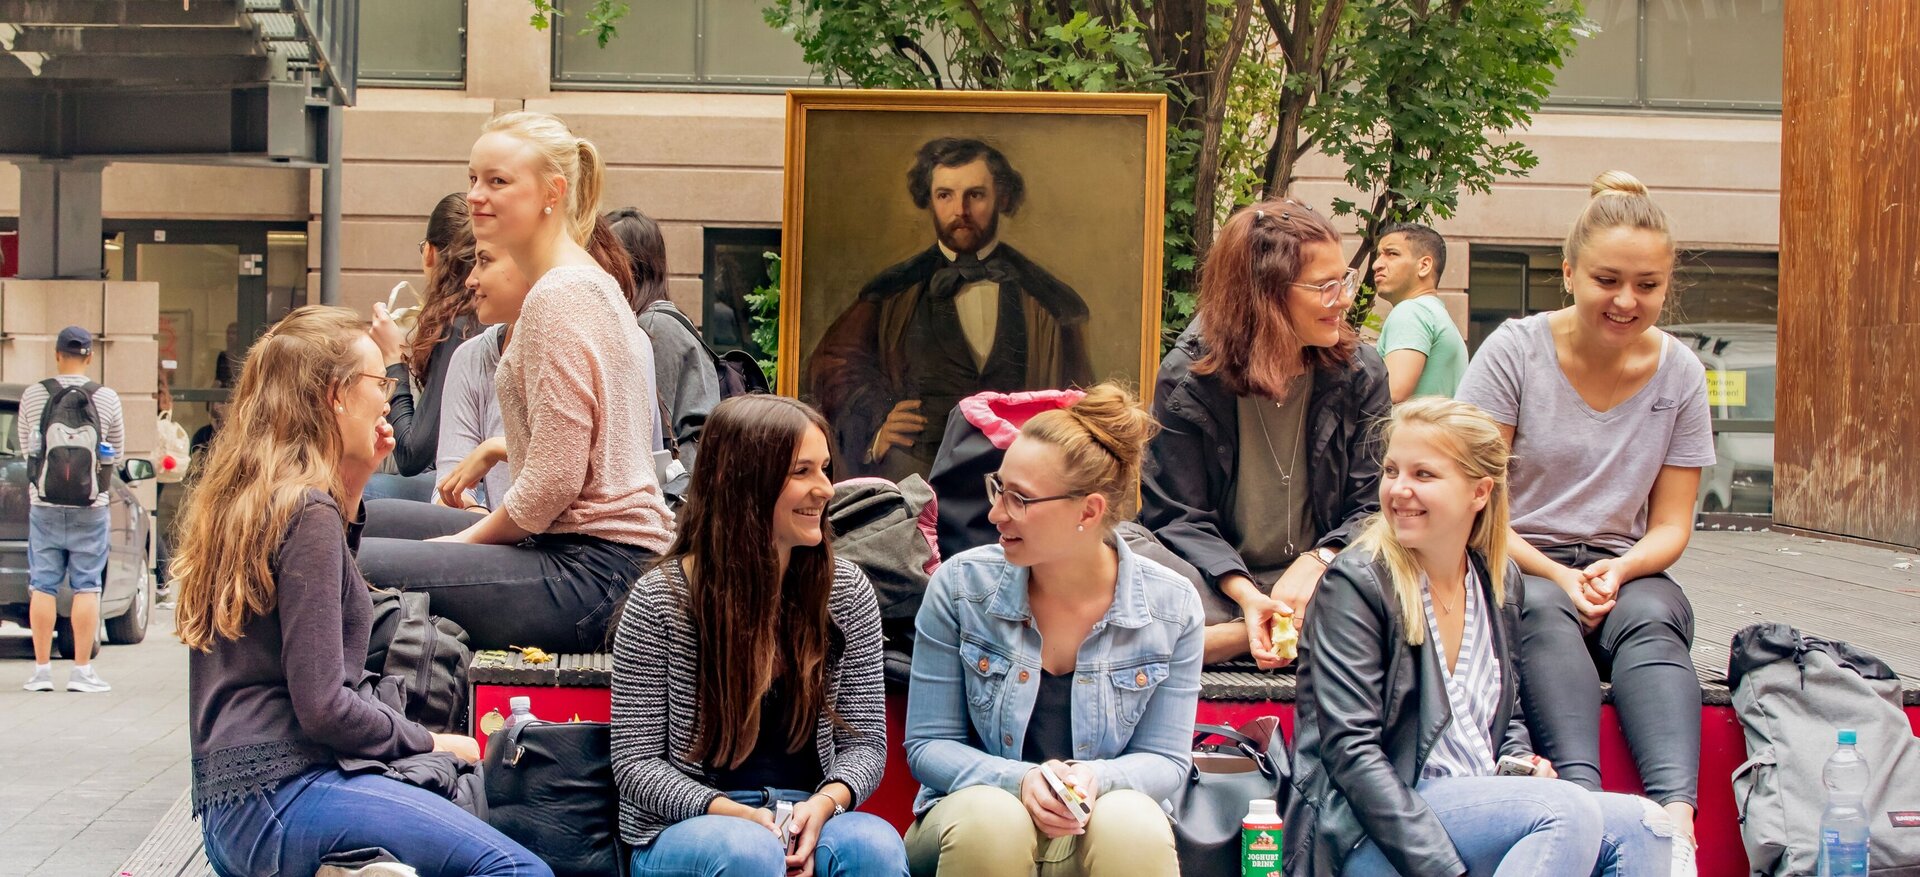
[84, 679]
[41, 680]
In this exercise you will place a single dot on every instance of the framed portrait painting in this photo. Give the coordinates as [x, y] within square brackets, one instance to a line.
[942, 244]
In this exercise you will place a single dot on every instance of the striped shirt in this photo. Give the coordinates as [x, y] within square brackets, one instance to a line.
[656, 701]
[106, 407]
[1466, 747]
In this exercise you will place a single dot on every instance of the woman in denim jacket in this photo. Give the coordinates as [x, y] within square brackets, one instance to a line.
[1056, 647]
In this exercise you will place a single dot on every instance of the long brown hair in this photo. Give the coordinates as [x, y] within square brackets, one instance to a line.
[280, 441]
[1242, 312]
[450, 233]
[751, 622]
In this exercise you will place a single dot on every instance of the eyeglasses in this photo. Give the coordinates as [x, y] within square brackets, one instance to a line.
[422, 248]
[1333, 291]
[386, 383]
[1016, 503]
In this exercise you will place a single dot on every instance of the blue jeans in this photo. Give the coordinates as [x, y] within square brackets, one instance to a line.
[66, 543]
[851, 845]
[291, 828]
[1511, 826]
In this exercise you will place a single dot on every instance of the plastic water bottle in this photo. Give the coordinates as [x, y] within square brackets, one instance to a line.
[1262, 836]
[521, 711]
[1844, 826]
[106, 452]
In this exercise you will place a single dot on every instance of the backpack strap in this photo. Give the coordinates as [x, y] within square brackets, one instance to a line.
[666, 307]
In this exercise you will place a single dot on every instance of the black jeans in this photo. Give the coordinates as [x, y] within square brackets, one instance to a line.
[555, 591]
[1642, 647]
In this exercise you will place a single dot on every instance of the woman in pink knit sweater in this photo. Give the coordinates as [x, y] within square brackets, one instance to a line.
[585, 515]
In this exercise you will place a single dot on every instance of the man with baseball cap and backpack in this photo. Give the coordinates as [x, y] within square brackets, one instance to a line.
[66, 422]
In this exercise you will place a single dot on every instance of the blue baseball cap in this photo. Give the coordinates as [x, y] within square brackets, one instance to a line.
[75, 341]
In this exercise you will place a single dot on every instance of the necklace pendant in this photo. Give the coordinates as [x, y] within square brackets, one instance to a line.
[1286, 480]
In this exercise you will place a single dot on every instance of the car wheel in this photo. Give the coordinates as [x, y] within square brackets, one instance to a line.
[131, 626]
[63, 643]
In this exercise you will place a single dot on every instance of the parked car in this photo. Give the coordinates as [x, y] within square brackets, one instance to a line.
[1741, 478]
[126, 602]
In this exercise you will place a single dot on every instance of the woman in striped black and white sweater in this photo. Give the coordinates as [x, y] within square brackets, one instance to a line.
[746, 649]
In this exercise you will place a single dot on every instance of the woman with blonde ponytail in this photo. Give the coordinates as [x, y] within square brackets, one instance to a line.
[277, 617]
[1056, 649]
[1610, 427]
[1407, 715]
[585, 515]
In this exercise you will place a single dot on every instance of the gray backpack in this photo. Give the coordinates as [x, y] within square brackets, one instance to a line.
[1792, 691]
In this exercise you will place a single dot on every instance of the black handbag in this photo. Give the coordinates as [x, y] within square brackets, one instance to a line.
[550, 787]
[1208, 808]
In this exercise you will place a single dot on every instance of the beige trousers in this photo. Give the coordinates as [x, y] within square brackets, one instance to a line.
[983, 831]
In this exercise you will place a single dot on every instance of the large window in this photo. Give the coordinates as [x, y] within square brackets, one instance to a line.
[416, 42]
[1700, 54]
[715, 43]
[1723, 307]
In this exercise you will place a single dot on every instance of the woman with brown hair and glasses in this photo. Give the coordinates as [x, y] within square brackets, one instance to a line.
[747, 671]
[1266, 464]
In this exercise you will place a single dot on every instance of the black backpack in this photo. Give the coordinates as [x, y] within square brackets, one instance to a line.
[427, 653]
[739, 374]
[67, 469]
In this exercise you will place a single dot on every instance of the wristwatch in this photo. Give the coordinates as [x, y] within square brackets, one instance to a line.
[1324, 554]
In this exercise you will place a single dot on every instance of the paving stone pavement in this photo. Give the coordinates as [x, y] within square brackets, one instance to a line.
[85, 777]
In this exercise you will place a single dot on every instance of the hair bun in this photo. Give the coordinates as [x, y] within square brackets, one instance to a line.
[1112, 416]
[1617, 181]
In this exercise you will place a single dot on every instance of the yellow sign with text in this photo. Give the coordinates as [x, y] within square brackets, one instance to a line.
[1727, 388]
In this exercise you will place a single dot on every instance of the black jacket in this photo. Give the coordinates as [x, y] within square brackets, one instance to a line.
[1369, 708]
[1191, 466]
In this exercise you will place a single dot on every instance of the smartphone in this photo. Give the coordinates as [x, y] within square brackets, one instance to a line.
[1076, 802]
[1515, 766]
[783, 820]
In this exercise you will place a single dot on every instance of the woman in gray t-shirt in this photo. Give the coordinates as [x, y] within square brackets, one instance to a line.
[1610, 427]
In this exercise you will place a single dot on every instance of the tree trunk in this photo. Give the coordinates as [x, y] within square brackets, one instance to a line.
[1207, 169]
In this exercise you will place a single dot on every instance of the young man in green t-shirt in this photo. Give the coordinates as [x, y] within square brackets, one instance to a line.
[1424, 351]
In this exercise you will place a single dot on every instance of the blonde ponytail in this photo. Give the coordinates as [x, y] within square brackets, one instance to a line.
[583, 190]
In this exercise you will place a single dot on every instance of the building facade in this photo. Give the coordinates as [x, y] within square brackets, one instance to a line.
[687, 111]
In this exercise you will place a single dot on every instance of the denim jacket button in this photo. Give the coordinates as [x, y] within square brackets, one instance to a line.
[983, 665]
[1023, 676]
[1008, 740]
[1140, 679]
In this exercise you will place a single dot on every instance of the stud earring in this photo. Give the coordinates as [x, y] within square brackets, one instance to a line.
[547, 210]
[339, 409]
[1082, 528]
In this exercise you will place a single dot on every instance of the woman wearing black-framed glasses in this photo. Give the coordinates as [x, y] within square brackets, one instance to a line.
[1266, 466]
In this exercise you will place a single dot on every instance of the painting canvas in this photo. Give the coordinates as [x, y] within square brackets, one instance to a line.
[943, 244]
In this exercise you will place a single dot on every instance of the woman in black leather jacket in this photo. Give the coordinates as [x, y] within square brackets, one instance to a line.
[1407, 688]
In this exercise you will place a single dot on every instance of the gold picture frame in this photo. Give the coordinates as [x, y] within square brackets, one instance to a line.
[1094, 171]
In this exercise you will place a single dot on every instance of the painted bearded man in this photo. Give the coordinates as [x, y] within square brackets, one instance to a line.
[965, 315]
